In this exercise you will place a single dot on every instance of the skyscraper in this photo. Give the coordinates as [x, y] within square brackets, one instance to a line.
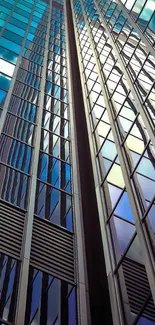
[77, 162]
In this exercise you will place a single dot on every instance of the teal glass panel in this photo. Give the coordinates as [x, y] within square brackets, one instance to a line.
[2, 96]
[21, 6]
[9, 45]
[18, 23]
[26, 3]
[5, 10]
[34, 24]
[2, 22]
[8, 55]
[16, 30]
[4, 82]
[7, 5]
[13, 37]
[22, 12]
[20, 17]
[3, 16]
[37, 14]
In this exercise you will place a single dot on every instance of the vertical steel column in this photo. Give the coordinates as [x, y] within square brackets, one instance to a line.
[24, 273]
[80, 254]
[118, 318]
[100, 310]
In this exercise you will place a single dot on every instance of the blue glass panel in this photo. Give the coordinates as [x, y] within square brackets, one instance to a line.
[2, 96]
[151, 216]
[145, 321]
[36, 291]
[9, 45]
[22, 13]
[124, 232]
[147, 186]
[146, 168]
[4, 82]
[72, 308]
[115, 193]
[123, 208]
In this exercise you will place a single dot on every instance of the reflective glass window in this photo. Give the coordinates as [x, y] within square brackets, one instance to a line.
[43, 287]
[13, 186]
[9, 269]
[23, 108]
[59, 207]
[20, 17]
[16, 29]
[9, 45]
[8, 55]
[13, 37]
[15, 153]
[2, 96]
[4, 82]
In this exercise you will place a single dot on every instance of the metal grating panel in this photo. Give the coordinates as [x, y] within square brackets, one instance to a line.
[11, 229]
[135, 273]
[52, 250]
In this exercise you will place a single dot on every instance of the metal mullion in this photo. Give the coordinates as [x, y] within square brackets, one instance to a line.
[138, 104]
[12, 137]
[21, 118]
[142, 234]
[64, 118]
[57, 158]
[14, 168]
[142, 36]
[26, 245]
[8, 18]
[58, 135]
[51, 186]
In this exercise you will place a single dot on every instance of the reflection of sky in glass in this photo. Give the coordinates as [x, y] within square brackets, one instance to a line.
[123, 208]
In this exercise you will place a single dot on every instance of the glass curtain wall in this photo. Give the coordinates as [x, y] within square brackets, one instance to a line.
[23, 42]
[117, 68]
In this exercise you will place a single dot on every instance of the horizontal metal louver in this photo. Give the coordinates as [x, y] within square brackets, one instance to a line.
[52, 250]
[138, 288]
[11, 229]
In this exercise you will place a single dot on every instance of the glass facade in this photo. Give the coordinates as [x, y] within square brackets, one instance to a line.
[114, 40]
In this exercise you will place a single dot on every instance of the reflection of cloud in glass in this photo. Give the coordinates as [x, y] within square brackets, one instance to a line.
[6, 68]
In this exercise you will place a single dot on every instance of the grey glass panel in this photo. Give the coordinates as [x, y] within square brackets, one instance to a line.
[33, 56]
[55, 124]
[15, 153]
[45, 295]
[53, 205]
[122, 233]
[19, 129]
[31, 66]
[23, 108]
[26, 92]
[28, 78]
[54, 145]
[8, 287]
[13, 186]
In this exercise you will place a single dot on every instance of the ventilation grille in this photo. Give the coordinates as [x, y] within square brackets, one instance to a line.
[52, 250]
[11, 229]
[138, 288]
